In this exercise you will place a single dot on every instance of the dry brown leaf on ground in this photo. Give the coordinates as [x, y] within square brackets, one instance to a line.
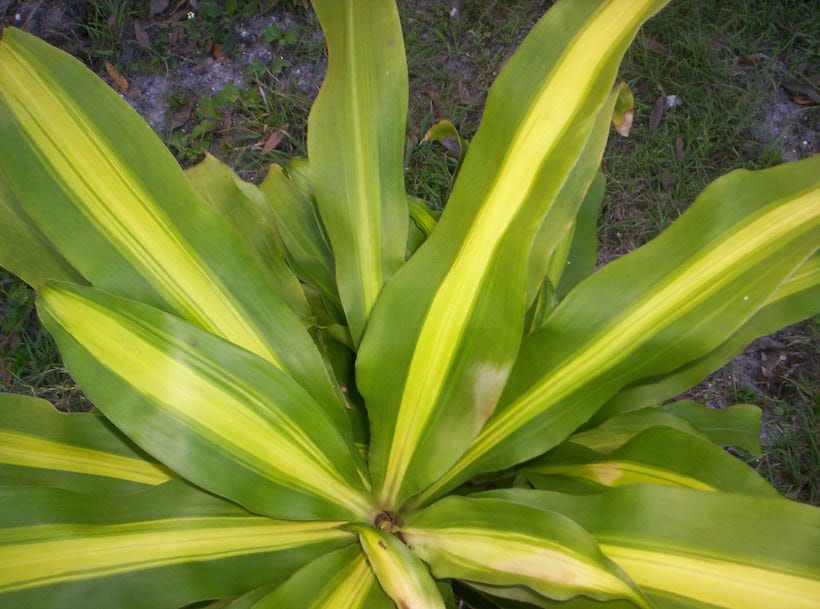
[181, 115]
[141, 35]
[656, 47]
[119, 80]
[275, 138]
[679, 150]
[657, 113]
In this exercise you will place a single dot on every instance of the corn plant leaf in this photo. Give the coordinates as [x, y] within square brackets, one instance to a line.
[553, 241]
[737, 425]
[356, 132]
[308, 251]
[40, 446]
[583, 240]
[437, 376]
[339, 580]
[422, 222]
[544, 304]
[421, 215]
[162, 548]
[659, 455]
[218, 415]
[248, 600]
[401, 574]
[242, 204]
[691, 549]
[24, 250]
[445, 132]
[129, 220]
[667, 303]
[795, 299]
[501, 543]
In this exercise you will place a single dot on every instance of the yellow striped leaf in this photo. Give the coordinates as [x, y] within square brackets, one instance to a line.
[129, 220]
[737, 425]
[243, 205]
[40, 446]
[401, 574]
[581, 191]
[218, 415]
[794, 300]
[161, 548]
[501, 543]
[309, 254]
[670, 302]
[431, 381]
[339, 580]
[658, 455]
[356, 134]
[700, 550]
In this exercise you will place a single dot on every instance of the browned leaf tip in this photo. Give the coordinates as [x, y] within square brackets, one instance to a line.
[119, 80]
[142, 36]
[624, 126]
[657, 113]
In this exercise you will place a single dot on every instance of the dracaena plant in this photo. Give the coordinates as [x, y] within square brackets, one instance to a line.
[315, 393]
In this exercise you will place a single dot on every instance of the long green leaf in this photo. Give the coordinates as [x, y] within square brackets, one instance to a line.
[582, 190]
[583, 240]
[401, 574]
[309, 254]
[160, 549]
[339, 580]
[501, 543]
[243, 205]
[795, 299]
[697, 549]
[431, 381]
[356, 136]
[108, 195]
[40, 446]
[24, 250]
[737, 425]
[218, 415]
[667, 303]
[659, 455]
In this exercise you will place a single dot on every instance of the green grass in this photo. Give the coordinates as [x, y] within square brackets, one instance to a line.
[29, 362]
[724, 60]
[696, 50]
